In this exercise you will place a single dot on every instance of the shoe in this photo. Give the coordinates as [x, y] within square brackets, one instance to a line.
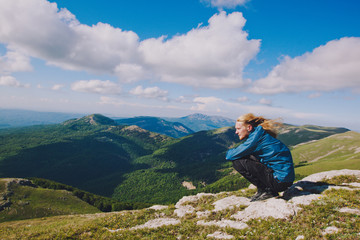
[266, 195]
[258, 194]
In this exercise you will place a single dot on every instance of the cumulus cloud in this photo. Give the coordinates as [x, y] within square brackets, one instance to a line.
[10, 81]
[332, 66]
[265, 101]
[242, 99]
[150, 92]
[209, 56]
[224, 3]
[57, 87]
[186, 98]
[39, 29]
[96, 86]
[205, 103]
[14, 61]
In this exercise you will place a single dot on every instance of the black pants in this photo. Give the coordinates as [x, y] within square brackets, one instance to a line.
[259, 174]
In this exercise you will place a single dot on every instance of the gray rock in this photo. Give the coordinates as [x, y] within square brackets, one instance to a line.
[230, 202]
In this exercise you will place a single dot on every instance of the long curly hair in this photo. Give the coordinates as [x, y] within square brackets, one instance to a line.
[269, 125]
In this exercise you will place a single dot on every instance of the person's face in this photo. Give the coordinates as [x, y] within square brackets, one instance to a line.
[242, 130]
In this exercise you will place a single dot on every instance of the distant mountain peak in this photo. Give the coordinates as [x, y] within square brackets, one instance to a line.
[197, 116]
[93, 119]
[98, 119]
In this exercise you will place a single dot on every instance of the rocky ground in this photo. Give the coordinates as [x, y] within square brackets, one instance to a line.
[324, 205]
[288, 204]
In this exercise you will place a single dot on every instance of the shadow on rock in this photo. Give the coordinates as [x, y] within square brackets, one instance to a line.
[302, 188]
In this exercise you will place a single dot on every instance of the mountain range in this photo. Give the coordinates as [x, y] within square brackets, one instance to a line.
[199, 122]
[129, 163]
[173, 127]
[158, 125]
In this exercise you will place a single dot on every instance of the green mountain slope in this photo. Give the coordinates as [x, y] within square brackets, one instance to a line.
[23, 200]
[90, 153]
[293, 135]
[196, 158]
[334, 152]
[158, 125]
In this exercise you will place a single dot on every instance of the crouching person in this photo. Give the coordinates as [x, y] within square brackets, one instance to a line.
[262, 159]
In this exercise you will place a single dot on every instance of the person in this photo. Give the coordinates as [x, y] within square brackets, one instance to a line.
[262, 159]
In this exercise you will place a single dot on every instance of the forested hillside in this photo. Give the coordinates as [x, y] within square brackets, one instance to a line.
[128, 163]
[91, 153]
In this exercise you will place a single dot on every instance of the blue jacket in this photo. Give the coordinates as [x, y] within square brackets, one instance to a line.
[269, 150]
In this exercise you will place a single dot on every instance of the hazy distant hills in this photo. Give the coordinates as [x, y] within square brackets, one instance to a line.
[159, 125]
[173, 127]
[179, 127]
[129, 163]
[18, 118]
[198, 122]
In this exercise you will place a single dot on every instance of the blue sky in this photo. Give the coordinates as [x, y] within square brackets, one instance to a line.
[295, 60]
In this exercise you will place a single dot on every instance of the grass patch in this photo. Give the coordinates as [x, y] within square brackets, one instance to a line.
[339, 180]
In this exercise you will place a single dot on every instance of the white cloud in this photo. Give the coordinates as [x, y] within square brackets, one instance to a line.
[225, 3]
[208, 56]
[10, 81]
[265, 101]
[135, 106]
[242, 99]
[150, 92]
[330, 67]
[96, 86]
[39, 29]
[207, 103]
[57, 87]
[211, 56]
[186, 99]
[215, 105]
[14, 62]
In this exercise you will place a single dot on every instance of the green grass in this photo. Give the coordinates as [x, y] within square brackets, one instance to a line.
[29, 202]
[341, 151]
